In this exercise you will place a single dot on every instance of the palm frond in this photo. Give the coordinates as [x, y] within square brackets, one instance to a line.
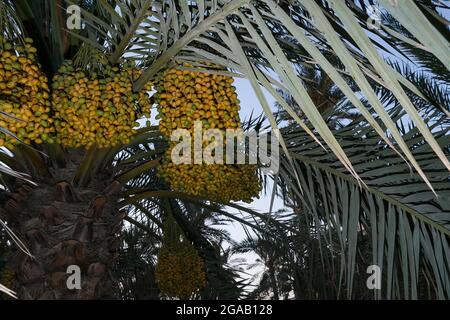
[7, 291]
[407, 226]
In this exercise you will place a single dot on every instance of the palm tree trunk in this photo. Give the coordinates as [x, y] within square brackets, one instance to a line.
[63, 226]
[273, 281]
[297, 285]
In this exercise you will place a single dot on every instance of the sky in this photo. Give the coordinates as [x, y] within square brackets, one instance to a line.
[249, 104]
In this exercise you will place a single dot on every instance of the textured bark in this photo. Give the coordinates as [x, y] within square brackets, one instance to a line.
[273, 280]
[63, 225]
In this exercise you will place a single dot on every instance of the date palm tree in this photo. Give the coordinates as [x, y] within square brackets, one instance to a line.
[73, 202]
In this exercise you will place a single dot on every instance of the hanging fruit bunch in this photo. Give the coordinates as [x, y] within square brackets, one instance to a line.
[180, 271]
[7, 275]
[217, 182]
[186, 96]
[98, 107]
[24, 96]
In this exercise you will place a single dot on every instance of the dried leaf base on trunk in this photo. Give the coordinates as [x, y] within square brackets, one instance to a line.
[63, 225]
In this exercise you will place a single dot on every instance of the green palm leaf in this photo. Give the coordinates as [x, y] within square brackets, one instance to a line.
[408, 225]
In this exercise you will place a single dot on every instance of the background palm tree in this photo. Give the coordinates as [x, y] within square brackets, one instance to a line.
[390, 222]
[77, 208]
